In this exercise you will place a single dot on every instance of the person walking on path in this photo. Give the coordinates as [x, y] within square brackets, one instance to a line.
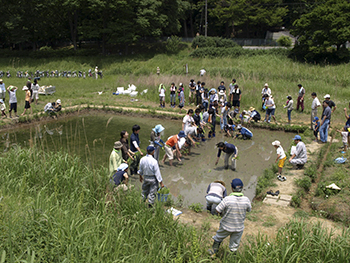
[229, 149]
[233, 209]
[289, 107]
[299, 156]
[216, 191]
[301, 96]
[325, 121]
[150, 176]
[315, 104]
[116, 158]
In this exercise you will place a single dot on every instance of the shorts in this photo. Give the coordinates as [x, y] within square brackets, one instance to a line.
[35, 95]
[236, 103]
[27, 105]
[281, 162]
[270, 111]
[169, 152]
[161, 98]
[13, 106]
[181, 105]
[345, 143]
[2, 95]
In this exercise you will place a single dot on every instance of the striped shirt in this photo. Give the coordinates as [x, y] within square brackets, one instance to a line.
[234, 208]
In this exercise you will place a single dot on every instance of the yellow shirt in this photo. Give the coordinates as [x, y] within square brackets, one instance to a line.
[27, 95]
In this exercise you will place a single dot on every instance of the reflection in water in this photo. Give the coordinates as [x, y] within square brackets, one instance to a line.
[93, 141]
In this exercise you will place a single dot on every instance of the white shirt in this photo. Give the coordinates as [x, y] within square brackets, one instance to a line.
[181, 142]
[280, 152]
[344, 135]
[12, 95]
[35, 88]
[2, 88]
[187, 120]
[149, 166]
[266, 91]
[202, 72]
[315, 103]
[162, 93]
[270, 102]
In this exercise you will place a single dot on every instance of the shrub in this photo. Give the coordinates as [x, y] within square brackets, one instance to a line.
[173, 45]
[205, 42]
[311, 172]
[304, 183]
[284, 41]
[196, 207]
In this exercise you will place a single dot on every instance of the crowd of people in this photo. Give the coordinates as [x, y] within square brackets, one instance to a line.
[31, 96]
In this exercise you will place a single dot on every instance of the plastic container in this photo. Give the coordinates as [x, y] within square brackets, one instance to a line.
[133, 93]
[126, 92]
[120, 90]
[162, 197]
[132, 87]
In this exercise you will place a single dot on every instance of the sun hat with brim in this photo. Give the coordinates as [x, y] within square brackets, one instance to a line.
[118, 145]
[58, 101]
[25, 88]
[237, 183]
[297, 137]
[327, 96]
[158, 129]
[276, 143]
[266, 85]
[251, 108]
[1, 80]
[182, 134]
[122, 167]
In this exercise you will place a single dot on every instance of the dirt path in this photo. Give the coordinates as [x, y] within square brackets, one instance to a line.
[267, 218]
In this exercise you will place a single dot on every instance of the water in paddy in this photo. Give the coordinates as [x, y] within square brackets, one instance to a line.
[92, 138]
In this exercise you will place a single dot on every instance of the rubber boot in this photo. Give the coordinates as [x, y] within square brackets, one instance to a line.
[215, 248]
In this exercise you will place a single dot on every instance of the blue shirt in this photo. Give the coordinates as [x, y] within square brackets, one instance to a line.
[149, 167]
[229, 148]
[118, 177]
[246, 132]
[134, 137]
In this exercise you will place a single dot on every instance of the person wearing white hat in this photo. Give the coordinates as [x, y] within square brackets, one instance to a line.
[96, 72]
[281, 158]
[27, 101]
[2, 90]
[120, 178]
[35, 89]
[12, 99]
[331, 103]
[265, 90]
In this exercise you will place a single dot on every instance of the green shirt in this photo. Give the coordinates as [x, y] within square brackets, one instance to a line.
[115, 159]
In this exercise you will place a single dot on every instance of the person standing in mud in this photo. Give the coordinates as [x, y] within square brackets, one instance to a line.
[233, 209]
[135, 148]
[156, 141]
[150, 176]
[116, 158]
[230, 150]
[126, 152]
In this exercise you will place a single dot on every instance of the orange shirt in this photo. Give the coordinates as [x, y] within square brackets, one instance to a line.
[172, 141]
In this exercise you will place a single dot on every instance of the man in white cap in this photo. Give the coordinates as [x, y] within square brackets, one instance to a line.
[116, 158]
[331, 103]
[2, 90]
[150, 176]
[299, 157]
[233, 209]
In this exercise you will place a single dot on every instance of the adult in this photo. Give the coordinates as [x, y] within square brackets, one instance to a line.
[188, 120]
[35, 89]
[270, 108]
[115, 158]
[265, 90]
[301, 95]
[126, 152]
[224, 115]
[299, 156]
[192, 92]
[229, 149]
[244, 132]
[12, 99]
[231, 88]
[254, 115]
[199, 91]
[325, 121]
[216, 191]
[120, 179]
[331, 103]
[315, 104]
[135, 148]
[150, 176]
[2, 90]
[236, 97]
[173, 95]
[347, 116]
[233, 208]
[156, 140]
[96, 72]
[169, 144]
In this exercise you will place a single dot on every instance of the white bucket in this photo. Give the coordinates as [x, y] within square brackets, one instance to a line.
[120, 89]
[133, 93]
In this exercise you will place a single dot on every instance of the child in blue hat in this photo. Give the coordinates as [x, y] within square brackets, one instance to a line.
[316, 128]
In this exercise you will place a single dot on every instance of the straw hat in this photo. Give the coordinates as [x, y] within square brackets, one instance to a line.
[251, 108]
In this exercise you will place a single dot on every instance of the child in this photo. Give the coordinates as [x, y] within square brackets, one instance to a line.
[289, 107]
[344, 134]
[205, 99]
[3, 108]
[173, 95]
[12, 99]
[281, 157]
[162, 95]
[27, 101]
[316, 128]
[182, 99]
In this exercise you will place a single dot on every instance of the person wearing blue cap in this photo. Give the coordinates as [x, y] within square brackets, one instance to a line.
[150, 176]
[120, 179]
[229, 149]
[299, 157]
[316, 128]
[156, 140]
[233, 209]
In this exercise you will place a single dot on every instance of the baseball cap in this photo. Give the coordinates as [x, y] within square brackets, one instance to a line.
[315, 119]
[150, 149]
[237, 183]
[122, 167]
[181, 134]
[297, 137]
[327, 96]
